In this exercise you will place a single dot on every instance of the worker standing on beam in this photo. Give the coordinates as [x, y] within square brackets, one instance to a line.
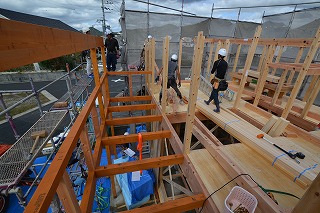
[86, 55]
[220, 67]
[173, 70]
[112, 47]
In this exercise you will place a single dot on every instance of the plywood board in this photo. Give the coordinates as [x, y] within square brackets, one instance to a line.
[264, 173]
[212, 175]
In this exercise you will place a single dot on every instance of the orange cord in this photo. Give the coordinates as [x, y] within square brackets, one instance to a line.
[139, 147]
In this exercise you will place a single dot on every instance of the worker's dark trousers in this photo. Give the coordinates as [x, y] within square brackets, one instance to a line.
[214, 97]
[171, 83]
[111, 61]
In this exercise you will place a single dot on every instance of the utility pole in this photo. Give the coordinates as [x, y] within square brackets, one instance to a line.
[103, 18]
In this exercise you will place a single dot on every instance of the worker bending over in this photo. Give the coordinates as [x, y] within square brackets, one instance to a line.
[173, 70]
[220, 67]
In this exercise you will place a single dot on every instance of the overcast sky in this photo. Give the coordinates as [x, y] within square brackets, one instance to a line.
[84, 13]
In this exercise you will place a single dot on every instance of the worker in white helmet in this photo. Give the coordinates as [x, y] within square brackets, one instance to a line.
[86, 55]
[173, 70]
[220, 67]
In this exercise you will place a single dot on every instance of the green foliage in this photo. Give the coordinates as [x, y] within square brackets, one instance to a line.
[22, 69]
[60, 62]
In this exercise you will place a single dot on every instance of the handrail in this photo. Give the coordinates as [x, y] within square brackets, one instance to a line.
[34, 93]
[42, 197]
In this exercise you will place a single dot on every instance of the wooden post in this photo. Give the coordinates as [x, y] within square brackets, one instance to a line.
[165, 58]
[310, 88]
[86, 148]
[302, 74]
[153, 63]
[193, 93]
[277, 59]
[263, 75]
[96, 75]
[66, 194]
[147, 62]
[310, 201]
[262, 58]
[180, 55]
[227, 47]
[296, 61]
[311, 98]
[279, 87]
[247, 65]
[217, 50]
[209, 61]
[236, 59]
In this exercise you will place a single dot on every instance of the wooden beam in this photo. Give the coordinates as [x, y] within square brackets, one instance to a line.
[193, 93]
[310, 88]
[278, 128]
[153, 62]
[23, 43]
[263, 75]
[134, 137]
[206, 132]
[131, 120]
[86, 148]
[293, 42]
[165, 58]
[247, 65]
[179, 205]
[246, 117]
[217, 50]
[88, 193]
[297, 60]
[277, 59]
[93, 55]
[266, 128]
[312, 51]
[66, 194]
[209, 61]
[104, 171]
[129, 73]
[236, 59]
[180, 54]
[262, 58]
[279, 86]
[233, 170]
[129, 99]
[293, 118]
[177, 186]
[312, 97]
[131, 107]
[310, 201]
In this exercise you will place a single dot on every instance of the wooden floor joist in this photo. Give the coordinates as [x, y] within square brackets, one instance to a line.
[134, 137]
[131, 107]
[131, 120]
[179, 205]
[133, 98]
[104, 171]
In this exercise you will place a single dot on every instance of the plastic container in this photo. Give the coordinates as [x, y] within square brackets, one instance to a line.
[238, 196]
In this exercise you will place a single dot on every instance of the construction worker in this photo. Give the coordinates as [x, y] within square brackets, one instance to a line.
[220, 67]
[86, 55]
[173, 70]
[141, 66]
[112, 46]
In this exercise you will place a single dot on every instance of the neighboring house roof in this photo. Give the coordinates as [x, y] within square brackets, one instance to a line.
[23, 17]
[95, 32]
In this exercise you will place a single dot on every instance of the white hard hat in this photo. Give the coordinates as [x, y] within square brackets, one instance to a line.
[174, 57]
[149, 36]
[222, 52]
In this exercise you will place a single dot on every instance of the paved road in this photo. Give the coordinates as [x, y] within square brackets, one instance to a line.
[58, 89]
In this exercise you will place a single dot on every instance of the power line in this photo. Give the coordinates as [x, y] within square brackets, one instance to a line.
[257, 6]
[157, 5]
